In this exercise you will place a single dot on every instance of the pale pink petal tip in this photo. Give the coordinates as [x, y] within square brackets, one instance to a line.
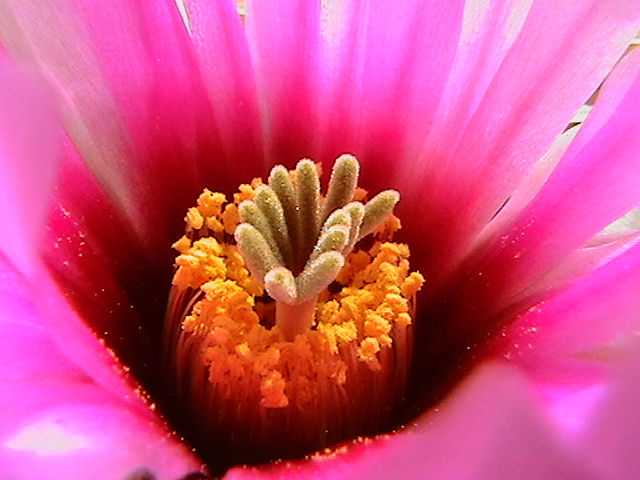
[59, 418]
[611, 440]
[29, 137]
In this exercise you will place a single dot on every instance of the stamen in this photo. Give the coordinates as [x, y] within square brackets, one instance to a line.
[325, 353]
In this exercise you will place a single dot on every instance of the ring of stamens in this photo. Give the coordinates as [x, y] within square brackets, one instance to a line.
[324, 353]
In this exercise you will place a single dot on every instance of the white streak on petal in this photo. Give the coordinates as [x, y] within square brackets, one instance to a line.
[46, 437]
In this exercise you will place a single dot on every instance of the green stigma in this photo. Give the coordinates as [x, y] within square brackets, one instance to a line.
[295, 240]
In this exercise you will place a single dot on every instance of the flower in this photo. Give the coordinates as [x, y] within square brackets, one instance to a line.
[458, 105]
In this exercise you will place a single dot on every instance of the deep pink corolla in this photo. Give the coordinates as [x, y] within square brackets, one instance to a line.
[459, 106]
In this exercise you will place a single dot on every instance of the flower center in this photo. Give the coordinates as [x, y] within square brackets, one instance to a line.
[287, 330]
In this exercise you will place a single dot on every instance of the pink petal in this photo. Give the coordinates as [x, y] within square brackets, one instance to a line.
[354, 75]
[111, 279]
[489, 428]
[223, 56]
[570, 338]
[285, 80]
[29, 134]
[594, 183]
[384, 67]
[62, 414]
[598, 251]
[461, 180]
[610, 442]
[529, 187]
[133, 100]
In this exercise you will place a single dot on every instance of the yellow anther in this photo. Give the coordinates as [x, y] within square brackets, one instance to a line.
[388, 228]
[355, 262]
[329, 311]
[376, 326]
[412, 284]
[187, 274]
[182, 245]
[230, 218]
[215, 225]
[267, 360]
[368, 348]
[194, 219]
[403, 320]
[219, 335]
[397, 303]
[208, 246]
[245, 192]
[210, 203]
[207, 259]
[347, 332]
[360, 194]
[272, 390]
[243, 350]
[385, 311]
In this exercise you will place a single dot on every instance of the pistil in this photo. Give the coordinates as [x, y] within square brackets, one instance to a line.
[295, 268]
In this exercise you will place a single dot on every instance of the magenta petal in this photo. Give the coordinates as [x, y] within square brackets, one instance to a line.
[383, 66]
[489, 428]
[339, 88]
[132, 98]
[598, 251]
[285, 81]
[568, 339]
[105, 272]
[223, 57]
[529, 187]
[594, 183]
[488, 31]
[29, 134]
[63, 419]
[546, 75]
[147, 108]
[610, 441]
